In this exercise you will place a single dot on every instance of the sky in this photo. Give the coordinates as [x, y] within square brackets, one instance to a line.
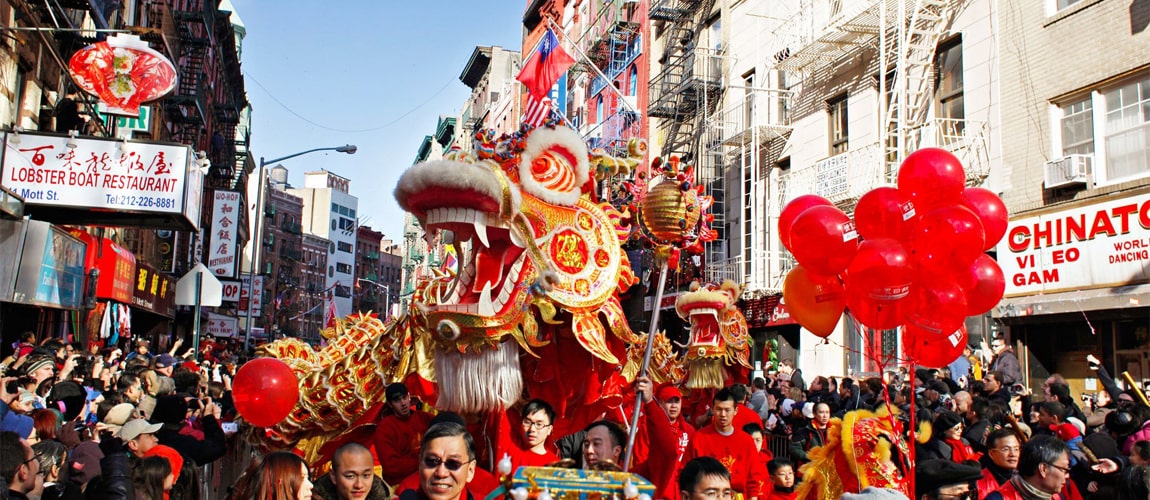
[373, 73]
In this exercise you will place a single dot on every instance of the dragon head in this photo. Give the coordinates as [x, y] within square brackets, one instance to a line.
[719, 335]
[535, 245]
[863, 449]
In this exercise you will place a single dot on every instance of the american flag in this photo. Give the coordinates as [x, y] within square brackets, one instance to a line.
[537, 110]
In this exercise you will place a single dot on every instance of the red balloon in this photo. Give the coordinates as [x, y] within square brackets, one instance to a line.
[824, 240]
[815, 301]
[931, 350]
[947, 240]
[991, 211]
[931, 178]
[984, 284]
[881, 269]
[792, 211]
[937, 306]
[884, 213]
[264, 391]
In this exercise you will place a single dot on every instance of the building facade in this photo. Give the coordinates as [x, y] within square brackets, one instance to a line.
[329, 211]
[1076, 152]
[313, 280]
[282, 247]
[370, 293]
[494, 100]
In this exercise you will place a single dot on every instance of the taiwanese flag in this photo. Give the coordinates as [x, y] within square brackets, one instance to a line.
[546, 65]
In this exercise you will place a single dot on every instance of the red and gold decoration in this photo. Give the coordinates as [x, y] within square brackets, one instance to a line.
[862, 449]
[718, 353]
[123, 72]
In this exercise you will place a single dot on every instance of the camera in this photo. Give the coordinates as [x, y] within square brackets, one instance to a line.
[1017, 389]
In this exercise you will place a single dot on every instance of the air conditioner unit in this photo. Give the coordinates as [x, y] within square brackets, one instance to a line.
[1068, 171]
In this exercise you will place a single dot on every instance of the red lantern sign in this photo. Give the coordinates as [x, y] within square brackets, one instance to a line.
[124, 72]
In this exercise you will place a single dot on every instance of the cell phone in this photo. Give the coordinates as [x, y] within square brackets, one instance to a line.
[230, 427]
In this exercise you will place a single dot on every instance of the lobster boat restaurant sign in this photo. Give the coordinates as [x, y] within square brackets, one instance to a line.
[103, 181]
[1096, 245]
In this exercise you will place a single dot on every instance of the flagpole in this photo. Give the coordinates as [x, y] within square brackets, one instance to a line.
[598, 71]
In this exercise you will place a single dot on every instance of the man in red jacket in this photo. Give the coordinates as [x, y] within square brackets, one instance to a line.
[399, 435]
[668, 434]
[1000, 461]
[1043, 470]
[732, 447]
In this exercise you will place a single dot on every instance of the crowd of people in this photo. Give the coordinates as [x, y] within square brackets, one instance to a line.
[101, 424]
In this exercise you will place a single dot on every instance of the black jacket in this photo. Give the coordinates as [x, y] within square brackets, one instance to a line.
[804, 439]
[115, 481]
[204, 451]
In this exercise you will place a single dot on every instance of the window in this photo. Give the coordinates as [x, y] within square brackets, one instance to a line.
[599, 110]
[1062, 4]
[748, 98]
[633, 81]
[948, 93]
[837, 119]
[345, 247]
[1077, 126]
[342, 268]
[346, 224]
[1128, 130]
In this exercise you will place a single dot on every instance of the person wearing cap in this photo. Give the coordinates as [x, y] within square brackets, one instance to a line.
[733, 447]
[139, 436]
[945, 480]
[397, 437]
[812, 435]
[40, 368]
[946, 441]
[1043, 472]
[165, 364]
[667, 434]
[175, 460]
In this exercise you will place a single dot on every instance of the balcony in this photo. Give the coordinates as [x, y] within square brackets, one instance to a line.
[612, 133]
[966, 139]
[757, 118]
[824, 30]
[684, 84]
[841, 178]
[763, 273]
[672, 10]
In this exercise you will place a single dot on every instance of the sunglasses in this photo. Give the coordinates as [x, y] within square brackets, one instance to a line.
[451, 463]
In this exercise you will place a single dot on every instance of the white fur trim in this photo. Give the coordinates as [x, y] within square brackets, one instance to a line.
[538, 142]
[454, 175]
[481, 382]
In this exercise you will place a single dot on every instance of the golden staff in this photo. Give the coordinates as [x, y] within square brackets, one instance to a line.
[1135, 388]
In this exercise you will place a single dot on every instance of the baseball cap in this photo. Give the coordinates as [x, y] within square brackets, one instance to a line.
[166, 361]
[119, 414]
[134, 428]
[395, 391]
[668, 391]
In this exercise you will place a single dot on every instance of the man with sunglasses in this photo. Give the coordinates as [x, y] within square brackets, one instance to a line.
[446, 464]
[1043, 470]
[19, 466]
[941, 479]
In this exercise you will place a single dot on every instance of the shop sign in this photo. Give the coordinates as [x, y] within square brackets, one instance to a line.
[154, 291]
[232, 290]
[1096, 245]
[116, 264]
[102, 174]
[166, 242]
[257, 291]
[51, 269]
[224, 232]
[219, 325]
[123, 72]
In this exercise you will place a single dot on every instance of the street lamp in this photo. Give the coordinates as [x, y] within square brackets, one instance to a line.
[386, 297]
[258, 245]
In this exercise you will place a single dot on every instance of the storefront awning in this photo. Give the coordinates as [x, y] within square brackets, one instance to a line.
[1071, 302]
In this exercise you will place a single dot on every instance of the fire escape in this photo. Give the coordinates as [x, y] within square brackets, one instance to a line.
[614, 43]
[686, 93]
[228, 148]
[187, 108]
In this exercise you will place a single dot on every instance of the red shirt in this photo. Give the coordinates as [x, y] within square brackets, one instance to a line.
[511, 441]
[669, 442]
[743, 416]
[778, 495]
[737, 452]
[482, 484]
[397, 442]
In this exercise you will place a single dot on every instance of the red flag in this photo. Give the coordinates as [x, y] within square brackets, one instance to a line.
[537, 111]
[545, 66]
[329, 316]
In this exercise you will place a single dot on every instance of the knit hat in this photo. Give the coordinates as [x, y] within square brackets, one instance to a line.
[173, 456]
[934, 474]
[38, 363]
[946, 420]
[872, 493]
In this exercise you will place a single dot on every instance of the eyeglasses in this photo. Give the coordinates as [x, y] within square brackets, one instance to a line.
[528, 424]
[30, 460]
[1007, 449]
[1065, 470]
[451, 463]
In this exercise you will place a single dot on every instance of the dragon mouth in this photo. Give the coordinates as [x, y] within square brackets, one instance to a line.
[485, 284]
[704, 326]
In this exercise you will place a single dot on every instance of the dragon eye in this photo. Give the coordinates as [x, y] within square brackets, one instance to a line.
[448, 329]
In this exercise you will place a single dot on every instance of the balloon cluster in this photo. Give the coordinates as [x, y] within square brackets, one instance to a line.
[911, 257]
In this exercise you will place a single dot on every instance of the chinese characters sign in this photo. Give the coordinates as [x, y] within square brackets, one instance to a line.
[104, 174]
[154, 291]
[221, 326]
[117, 266]
[223, 233]
[257, 304]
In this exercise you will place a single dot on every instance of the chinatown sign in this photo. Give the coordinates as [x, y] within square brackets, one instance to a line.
[123, 72]
[1096, 245]
[102, 174]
